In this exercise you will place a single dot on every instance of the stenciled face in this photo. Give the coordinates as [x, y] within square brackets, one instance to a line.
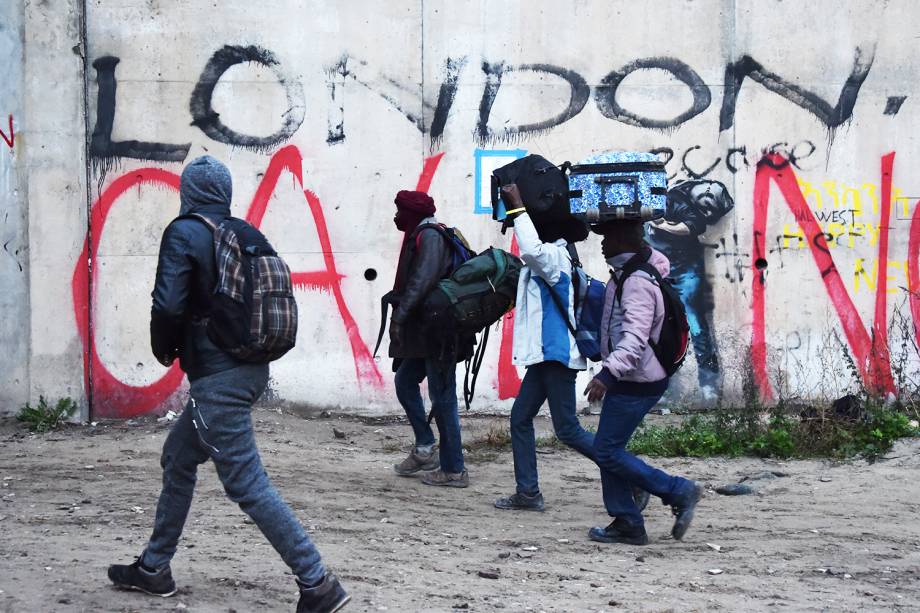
[706, 196]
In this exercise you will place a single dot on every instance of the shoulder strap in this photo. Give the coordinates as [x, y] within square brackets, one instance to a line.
[443, 231]
[385, 302]
[632, 265]
[576, 275]
[562, 309]
[210, 224]
[573, 254]
[416, 235]
[651, 271]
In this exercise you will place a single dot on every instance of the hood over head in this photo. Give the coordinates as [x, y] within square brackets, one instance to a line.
[206, 187]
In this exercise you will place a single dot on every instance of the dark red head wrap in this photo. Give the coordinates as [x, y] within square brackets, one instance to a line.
[415, 202]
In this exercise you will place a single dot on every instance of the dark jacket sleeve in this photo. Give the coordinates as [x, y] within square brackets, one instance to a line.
[424, 275]
[170, 294]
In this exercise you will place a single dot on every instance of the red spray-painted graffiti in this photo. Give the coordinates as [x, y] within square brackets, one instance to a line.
[112, 397]
[289, 159]
[870, 351]
[913, 270]
[509, 382]
[11, 139]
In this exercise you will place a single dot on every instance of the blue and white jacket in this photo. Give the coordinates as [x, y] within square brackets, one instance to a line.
[540, 332]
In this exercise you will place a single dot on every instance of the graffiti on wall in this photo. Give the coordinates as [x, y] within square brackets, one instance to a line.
[9, 137]
[869, 346]
[115, 398]
[827, 215]
[693, 207]
[431, 119]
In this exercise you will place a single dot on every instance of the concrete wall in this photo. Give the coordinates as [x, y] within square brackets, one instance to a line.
[14, 259]
[323, 110]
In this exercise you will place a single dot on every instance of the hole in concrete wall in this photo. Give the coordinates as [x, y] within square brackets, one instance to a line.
[370, 274]
[760, 264]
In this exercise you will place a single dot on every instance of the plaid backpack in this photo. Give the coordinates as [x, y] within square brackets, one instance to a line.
[253, 313]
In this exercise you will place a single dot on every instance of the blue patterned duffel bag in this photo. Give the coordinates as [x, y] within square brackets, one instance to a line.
[618, 185]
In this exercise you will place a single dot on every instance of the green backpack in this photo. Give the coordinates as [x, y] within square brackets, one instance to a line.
[475, 296]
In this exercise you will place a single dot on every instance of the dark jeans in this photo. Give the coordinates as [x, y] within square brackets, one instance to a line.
[621, 470]
[217, 424]
[691, 281]
[553, 382]
[442, 389]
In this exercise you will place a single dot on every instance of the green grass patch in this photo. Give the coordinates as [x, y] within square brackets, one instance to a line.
[44, 417]
[777, 434]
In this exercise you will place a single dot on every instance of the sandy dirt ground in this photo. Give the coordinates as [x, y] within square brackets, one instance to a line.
[819, 537]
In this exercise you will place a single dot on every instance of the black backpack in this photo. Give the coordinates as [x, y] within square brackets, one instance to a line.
[253, 314]
[544, 188]
[671, 348]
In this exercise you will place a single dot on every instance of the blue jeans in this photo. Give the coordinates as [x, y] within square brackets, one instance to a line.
[695, 290]
[620, 470]
[553, 382]
[217, 424]
[442, 389]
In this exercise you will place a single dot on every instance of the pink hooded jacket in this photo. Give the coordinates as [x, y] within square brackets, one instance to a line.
[627, 326]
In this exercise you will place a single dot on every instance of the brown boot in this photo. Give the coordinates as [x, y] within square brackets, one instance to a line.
[418, 462]
[439, 477]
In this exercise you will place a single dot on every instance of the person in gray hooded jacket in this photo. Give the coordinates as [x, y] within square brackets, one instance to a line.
[216, 423]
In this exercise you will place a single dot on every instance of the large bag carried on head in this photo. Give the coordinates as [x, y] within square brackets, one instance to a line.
[618, 185]
[253, 314]
[543, 186]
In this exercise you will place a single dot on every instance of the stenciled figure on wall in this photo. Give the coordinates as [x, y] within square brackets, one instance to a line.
[694, 206]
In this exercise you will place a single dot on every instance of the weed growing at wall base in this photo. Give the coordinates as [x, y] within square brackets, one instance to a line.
[44, 417]
[781, 433]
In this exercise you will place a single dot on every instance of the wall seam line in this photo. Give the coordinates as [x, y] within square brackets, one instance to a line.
[87, 162]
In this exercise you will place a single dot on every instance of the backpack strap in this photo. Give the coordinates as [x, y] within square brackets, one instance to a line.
[576, 276]
[385, 301]
[576, 288]
[632, 265]
[440, 229]
[415, 235]
[659, 281]
[210, 224]
[562, 309]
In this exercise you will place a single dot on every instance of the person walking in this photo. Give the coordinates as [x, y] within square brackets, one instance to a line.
[544, 345]
[216, 424]
[631, 382]
[425, 258]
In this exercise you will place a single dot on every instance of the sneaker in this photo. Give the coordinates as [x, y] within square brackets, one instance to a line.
[439, 477]
[521, 502]
[619, 533]
[136, 577]
[327, 597]
[640, 497]
[418, 462]
[683, 511]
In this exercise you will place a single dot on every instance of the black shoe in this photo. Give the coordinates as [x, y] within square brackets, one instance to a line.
[521, 502]
[683, 511]
[327, 597]
[136, 577]
[619, 532]
[640, 497]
